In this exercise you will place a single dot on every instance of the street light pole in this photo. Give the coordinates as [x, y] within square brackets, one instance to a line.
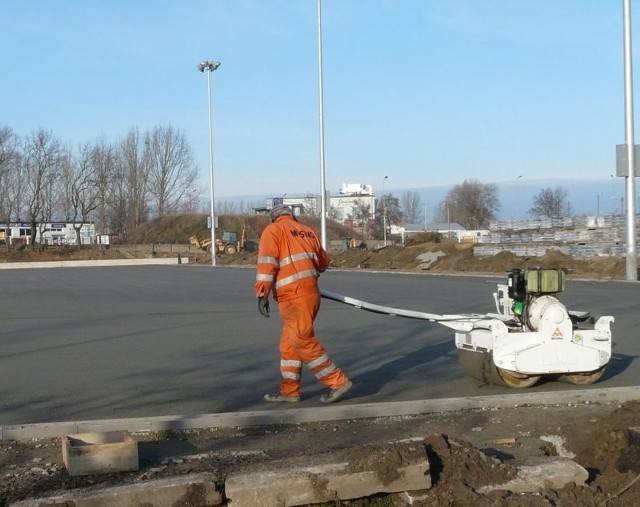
[323, 189]
[210, 66]
[384, 213]
[425, 216]
[631, 259]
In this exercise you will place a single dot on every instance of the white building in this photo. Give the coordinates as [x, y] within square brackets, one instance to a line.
[353, 199]
[52, 233]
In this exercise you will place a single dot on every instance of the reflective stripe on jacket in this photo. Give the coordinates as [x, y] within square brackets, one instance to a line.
[290, 259]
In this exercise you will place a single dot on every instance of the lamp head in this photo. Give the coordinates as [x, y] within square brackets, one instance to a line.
[208, 65]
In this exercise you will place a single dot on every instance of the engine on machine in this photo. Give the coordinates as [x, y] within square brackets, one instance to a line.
[528, 295]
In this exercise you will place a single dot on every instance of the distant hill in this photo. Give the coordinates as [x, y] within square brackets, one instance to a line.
[177, 229]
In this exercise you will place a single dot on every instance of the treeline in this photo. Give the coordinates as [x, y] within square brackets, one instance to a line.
[472, 204]
[118, 185]
[122, 184]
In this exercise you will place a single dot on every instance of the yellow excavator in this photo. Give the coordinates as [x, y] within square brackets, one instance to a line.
[229, 243]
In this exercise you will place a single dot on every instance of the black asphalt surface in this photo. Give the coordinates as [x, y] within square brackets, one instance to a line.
[93, 343]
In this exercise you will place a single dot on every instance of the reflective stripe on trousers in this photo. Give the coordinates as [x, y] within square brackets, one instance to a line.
[298, 345]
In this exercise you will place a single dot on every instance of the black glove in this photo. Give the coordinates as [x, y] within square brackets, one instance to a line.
[263, 306]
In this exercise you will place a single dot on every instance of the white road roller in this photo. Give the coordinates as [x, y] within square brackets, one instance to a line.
[531, 334]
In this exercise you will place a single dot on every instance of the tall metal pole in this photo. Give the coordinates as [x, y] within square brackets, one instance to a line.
[631, 264]
[425, 216]
[323, 187]
[210, 67]
[384, 213]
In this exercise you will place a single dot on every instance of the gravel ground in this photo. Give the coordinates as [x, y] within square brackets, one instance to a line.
[466, 450]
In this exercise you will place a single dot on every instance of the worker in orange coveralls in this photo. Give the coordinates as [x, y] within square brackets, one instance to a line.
[290, 260]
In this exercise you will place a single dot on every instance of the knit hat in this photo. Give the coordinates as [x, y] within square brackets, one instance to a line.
[280, 210]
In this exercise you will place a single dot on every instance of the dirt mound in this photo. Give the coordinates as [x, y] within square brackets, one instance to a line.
[606, 447]
[451, 258]
[66, 254]
[459, 258]
[177, 229]
[458, 469]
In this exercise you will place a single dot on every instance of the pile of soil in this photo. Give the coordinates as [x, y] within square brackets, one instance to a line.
[66, 254]
[459, 258]
[452, 258]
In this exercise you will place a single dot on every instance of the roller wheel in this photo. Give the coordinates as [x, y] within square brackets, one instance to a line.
[479, 365]
[583, 378]
[476, 364]
[515, 379]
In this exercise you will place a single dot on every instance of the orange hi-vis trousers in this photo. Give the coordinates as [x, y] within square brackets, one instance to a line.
[299, 345]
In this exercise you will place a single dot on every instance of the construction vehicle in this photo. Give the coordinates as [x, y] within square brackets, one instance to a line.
[204, 244]
[228, 244]
[532, 334]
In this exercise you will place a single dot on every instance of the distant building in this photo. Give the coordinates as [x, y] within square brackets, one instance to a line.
[50, 233]
[355, 204]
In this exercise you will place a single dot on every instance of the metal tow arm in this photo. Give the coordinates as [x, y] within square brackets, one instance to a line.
[463, 323]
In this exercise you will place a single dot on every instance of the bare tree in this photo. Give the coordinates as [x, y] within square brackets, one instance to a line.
[83, 188]
[361, 215]
[130, 198]
[226, 207]
[411, 204]
[388, 212]
[311, 204]
[8, 147]
[472, 204]
[248, 206]
[43, 156]
[333, 213]
[117, 215]
[43, 181]
[11, 184]
[104, 160]
[550, 203]
[172, 174]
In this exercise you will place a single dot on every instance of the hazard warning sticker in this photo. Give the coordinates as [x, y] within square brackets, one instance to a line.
[557, 334]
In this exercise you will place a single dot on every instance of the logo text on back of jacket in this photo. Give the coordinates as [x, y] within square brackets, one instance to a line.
[308, 234]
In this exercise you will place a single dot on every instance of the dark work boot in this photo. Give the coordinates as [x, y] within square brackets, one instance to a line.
[336, 394]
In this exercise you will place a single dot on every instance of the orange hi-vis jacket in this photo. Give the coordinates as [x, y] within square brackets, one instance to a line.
[290, 260]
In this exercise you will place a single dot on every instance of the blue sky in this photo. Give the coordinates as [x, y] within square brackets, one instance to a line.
[426, 92]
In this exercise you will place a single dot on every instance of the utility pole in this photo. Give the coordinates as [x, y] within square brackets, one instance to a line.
[323, 185]
[631, 264]
[384, 213]
[209, 67]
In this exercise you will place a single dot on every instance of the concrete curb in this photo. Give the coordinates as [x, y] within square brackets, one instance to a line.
[336, 476]
[195, 489]
[94, 263]
[317, 414]
[553, 473]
